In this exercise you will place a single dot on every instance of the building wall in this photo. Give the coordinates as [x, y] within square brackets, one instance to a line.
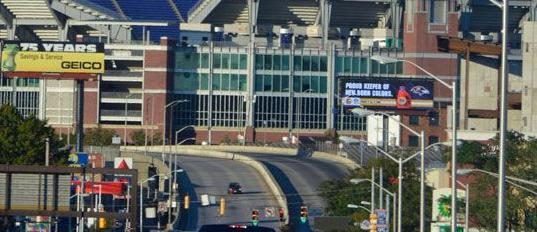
[420, 44]
[529, 73]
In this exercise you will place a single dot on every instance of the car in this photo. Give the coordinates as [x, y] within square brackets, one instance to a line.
[234, 188]
[233, 228]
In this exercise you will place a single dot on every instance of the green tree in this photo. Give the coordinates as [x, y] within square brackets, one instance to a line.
[138, 137]
[339, 193]
[98, 136]
[22, 140]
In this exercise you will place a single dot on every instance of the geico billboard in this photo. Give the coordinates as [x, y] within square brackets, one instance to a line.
[394, 93]
[52, 57]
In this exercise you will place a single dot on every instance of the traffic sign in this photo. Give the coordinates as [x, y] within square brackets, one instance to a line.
[365, 225]
[269, 212]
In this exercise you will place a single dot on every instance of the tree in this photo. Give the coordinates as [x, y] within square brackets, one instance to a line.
[22, 140]
[339, 193]
[98, 136]
[138, 137]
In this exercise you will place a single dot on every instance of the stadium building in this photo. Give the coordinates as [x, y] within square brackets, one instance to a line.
[254, 69]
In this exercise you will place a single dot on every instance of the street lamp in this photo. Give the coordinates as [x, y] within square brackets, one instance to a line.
[363, 113]
[151, 178]
[453, 87]
[509, 178]
[392, 194]
[354, 206]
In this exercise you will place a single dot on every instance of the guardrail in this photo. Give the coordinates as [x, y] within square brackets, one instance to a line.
[121, 95]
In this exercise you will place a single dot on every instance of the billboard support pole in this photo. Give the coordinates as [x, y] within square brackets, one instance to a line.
[80, 116]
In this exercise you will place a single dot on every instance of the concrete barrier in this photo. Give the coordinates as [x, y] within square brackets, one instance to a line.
[276, 151]
[260, 168]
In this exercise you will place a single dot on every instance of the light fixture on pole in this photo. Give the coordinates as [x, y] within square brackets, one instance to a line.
[453, 87]
[354, 206]
[362, 112]
[140, 184]
[392, 194]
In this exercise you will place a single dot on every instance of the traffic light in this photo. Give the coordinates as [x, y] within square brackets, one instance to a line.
[373, 222]
[303, 214]
[187, 202]
[282, 214]
[255, 217]
[222, 206]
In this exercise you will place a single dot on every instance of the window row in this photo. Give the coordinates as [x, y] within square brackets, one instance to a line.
[224, 82]
[280, 83]
[360, 65]
[20, 82]
[192, 60]
[283, 62]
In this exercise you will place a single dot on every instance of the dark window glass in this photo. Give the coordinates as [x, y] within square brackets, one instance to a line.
[433, 139]
[259, 83]
[243, 61]
[413, 141]
[216, 61]
[285, 84]
[414, 120]
[216, 81]
[276, 83]
[267, 83]
[297, 62]
[324, 64]
[285, 62]
[434, 119]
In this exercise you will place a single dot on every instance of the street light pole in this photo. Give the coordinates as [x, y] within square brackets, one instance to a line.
[400, 194]
[126, 117]
[503, 118]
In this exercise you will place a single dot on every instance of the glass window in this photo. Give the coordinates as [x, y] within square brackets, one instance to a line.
[234, 82]
[225, 61]
[243, 61]
[355, 65]
[268, 62]
[285, 83]
[374, 67]
[433, 118]
[399, 67]
[204, 81]
[363, 65]
[259, 83]
[277, 62]
[438, 10]
[285, 62]
[216, 81]
[414, 120]
[306, 63]
[433, 139]
[204, 60]
[347, 64]
[234, 61]
[324, 64]
[259, 59]
[243, 82]
[315, 63]
[339, 64]
[225, 82]
[305, 83]
[267, 83]
[315, 84]
[297, 83]
[322, 84]
[216, 60]
[391, 68]
[276, 83]
[297, 62]
[413, 141]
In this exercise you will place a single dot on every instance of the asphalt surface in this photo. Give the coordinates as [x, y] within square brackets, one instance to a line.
[299, 177]
[212, 176]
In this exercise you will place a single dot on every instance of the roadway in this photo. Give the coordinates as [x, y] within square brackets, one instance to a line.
[300, 177]
[212, 176]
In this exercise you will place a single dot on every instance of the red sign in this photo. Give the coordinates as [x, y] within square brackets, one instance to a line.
[104, 187]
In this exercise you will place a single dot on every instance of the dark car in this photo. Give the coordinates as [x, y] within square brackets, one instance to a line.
[233, 228]
[234, 188]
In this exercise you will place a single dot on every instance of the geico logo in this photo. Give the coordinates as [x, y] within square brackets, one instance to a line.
[81, 65]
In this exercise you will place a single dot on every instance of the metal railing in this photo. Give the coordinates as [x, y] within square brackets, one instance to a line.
[124, 53]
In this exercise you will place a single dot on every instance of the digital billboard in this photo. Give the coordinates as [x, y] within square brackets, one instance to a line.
[52, 57]
[391, 93]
